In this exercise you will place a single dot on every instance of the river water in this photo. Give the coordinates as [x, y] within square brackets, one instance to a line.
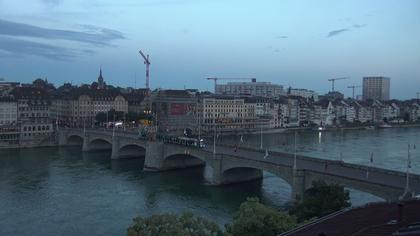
[63, 191]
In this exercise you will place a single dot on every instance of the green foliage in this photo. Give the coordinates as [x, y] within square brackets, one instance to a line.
[118, 115]
[320, 200]
[100, 117]
[256, 219]
[172, 225]
[134, 116]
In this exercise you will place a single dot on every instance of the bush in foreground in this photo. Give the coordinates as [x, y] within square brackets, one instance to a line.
[172, 225]
[320, 200]
[256, 219]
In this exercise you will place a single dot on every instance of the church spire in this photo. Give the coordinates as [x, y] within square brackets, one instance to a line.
[101, 83]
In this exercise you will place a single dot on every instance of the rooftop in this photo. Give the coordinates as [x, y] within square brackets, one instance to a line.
[372, 219]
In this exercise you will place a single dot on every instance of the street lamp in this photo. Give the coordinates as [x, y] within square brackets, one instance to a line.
[214, 138]
[294, 156]
[407, 181]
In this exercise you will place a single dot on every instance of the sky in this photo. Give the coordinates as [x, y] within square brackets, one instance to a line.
[294, 43]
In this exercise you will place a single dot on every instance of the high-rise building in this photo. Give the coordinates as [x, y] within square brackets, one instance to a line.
[376, 87]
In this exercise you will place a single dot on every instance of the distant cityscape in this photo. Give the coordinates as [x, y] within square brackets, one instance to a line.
[30, 114]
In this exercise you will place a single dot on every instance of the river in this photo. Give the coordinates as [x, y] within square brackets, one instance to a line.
[63, 191]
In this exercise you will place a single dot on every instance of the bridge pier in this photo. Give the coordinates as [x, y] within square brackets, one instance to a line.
[85, 146]
[115, 154]
[62, 139]
[154, 157]
[212, 171]
[298, 185]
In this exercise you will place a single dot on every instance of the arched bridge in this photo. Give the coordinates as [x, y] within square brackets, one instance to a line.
[231, 166]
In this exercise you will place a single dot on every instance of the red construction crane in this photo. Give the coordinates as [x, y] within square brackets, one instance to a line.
[333, 80]
[147, 63]
[353, 87]
[216, 79]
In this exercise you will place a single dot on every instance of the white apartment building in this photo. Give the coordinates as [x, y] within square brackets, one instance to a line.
[33, 114]
[364, 113]
[80, 106]
[228, 114]
[8, 111]
[305, 93]
[292, 118]
[324, 113]
[254, 88]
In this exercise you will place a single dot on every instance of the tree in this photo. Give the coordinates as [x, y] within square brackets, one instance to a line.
[256, 219]
[134, 116]
[100, 117]
[320, 200]
[172, 225]
[118, 115]
[40, 83]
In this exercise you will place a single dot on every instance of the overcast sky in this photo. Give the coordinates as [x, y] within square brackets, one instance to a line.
[293, 43]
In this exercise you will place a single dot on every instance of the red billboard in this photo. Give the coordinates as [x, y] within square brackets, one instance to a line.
[178, 109]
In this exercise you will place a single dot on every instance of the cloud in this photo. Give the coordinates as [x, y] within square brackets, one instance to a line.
[359, 26]
[19, 48]
[337, 32]
[95, 36]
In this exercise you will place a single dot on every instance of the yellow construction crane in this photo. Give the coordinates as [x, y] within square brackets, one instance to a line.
[333, 81]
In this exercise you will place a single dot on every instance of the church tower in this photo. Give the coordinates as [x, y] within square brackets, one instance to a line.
[101, 82]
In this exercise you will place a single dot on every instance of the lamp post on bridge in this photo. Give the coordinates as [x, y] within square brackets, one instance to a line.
[407, 180]
[294, 156]
[113, 127]
[84, 126]
[214, 138]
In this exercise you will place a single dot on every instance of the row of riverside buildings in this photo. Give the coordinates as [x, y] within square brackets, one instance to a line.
[31, 113]
[180, 109]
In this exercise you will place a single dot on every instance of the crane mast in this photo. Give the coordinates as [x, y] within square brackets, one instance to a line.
[354, 87]
[147, 63]
[333, 81]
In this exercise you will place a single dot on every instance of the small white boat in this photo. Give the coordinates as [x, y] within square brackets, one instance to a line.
[384, 126]
[370, 127]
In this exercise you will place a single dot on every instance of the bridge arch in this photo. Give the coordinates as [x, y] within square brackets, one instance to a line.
[182, 160]
[99, 144]
[74, 139]
[240, 174]
[132, 150]
[232, 166]
[380, 191]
